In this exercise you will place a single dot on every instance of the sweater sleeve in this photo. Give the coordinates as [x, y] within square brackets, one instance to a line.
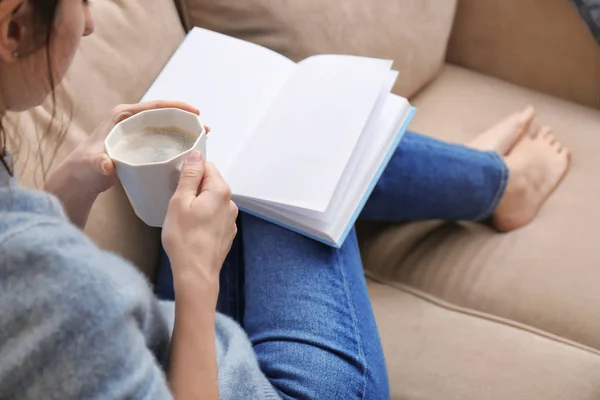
[76, 322]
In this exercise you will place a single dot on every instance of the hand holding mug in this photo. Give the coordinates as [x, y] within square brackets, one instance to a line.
[88, 171]
[200, 225]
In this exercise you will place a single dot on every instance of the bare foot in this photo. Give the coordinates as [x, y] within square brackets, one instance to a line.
[536, 166]
[503, 136]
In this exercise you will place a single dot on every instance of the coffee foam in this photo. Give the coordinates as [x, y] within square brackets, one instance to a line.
[153, 144]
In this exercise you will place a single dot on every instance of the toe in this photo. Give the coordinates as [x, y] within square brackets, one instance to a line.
[543, 133]
[527, 114]
[513, 120]
[524, 118]
[546, 133]
[533, 131]
[557, 147]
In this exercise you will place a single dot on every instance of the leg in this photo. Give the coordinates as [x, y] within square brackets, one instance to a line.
[503, 174]
[430, 179]
[309, 317]
[306, 310]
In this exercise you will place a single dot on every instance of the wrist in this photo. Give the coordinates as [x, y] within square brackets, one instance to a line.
[191, 284]
[65, 181]
[76, 197]
[64, 184]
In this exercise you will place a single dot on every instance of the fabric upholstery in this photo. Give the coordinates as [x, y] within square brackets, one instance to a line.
[437, 351]
[412, 33]
[132, 42]
[545, 275]
[590, 12]
[539, 44]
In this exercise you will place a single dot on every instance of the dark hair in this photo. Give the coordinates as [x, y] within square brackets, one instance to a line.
[41, 21]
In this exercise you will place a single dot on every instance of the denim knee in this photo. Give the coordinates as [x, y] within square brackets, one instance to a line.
[311, 372]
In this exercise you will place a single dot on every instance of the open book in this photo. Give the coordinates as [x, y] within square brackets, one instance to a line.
[301, 145]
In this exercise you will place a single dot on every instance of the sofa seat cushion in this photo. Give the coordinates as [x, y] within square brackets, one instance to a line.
[412, 33]
[545, 275]
[435, 350]
[133, 41]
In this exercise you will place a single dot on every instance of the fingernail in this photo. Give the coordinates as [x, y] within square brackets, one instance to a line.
[103, 167]
[194, 157]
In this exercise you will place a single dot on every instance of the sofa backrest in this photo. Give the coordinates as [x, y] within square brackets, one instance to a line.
[412, 33]
[540, 44]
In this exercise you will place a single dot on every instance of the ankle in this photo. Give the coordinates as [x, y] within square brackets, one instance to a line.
[507, 215]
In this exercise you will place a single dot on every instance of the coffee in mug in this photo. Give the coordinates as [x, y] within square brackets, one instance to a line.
[153, 144]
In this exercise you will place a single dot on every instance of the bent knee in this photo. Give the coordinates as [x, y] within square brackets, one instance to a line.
[311, 372]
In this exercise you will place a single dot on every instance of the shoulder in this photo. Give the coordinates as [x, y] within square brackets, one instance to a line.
[64, 302]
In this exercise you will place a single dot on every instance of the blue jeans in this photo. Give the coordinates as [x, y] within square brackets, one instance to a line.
[305, 305]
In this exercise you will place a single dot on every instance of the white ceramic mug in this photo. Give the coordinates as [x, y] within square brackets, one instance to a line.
[150, 186]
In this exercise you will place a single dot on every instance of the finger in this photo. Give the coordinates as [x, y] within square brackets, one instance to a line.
[102, 131]
[207, 128]
[192, 174]
[234, 209]
[107, 166]
[213, 181]
[155, 105]
[122, 117]
[234, 232]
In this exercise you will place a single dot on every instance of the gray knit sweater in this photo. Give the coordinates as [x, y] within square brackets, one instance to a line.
[77, 322]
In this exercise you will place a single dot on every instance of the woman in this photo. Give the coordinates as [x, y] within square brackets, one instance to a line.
[79, 323]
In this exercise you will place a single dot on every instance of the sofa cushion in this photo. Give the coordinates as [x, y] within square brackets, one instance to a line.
[412, 33]
[438, 351]
[544, 275]
[133, 41]
[540, 44]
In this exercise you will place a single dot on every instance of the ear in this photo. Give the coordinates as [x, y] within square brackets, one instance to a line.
[11, 29]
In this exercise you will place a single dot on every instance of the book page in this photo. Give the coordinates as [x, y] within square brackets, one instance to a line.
[395, 114]
[230, 81]
[367, 163]
[371, 142]
[369, 139]
[300, 149]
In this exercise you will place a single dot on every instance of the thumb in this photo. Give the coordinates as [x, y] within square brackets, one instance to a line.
[107, 167]
[191, 175]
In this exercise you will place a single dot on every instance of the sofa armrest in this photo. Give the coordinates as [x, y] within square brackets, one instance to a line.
[539, 44]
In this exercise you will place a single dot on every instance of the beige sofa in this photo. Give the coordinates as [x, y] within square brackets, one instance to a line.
[464, 313]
